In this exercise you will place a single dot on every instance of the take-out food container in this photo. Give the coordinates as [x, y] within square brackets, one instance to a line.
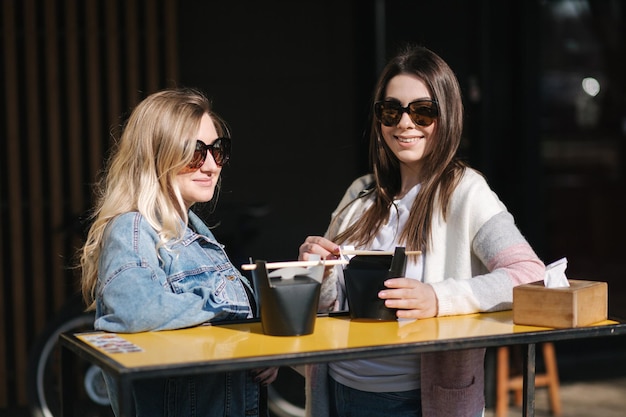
[365, 276]
[287, 304]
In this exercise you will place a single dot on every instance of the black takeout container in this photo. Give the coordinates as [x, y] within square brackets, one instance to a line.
[364, 278]
[288, 307]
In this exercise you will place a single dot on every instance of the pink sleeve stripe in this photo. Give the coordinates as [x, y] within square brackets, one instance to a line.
[520, 262]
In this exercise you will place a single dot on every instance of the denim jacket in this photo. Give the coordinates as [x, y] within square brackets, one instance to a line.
[144, 285]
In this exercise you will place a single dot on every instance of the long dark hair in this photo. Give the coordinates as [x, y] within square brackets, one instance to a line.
[441, 170]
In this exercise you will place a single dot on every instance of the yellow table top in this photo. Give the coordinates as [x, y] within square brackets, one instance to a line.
[206, 344]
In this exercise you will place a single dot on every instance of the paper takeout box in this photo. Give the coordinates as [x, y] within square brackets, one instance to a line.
[580, 304]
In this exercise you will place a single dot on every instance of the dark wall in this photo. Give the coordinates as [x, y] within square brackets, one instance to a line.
[294, 80]
[284, 76]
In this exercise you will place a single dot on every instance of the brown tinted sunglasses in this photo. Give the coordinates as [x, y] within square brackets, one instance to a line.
[219, 150]
[422, 112]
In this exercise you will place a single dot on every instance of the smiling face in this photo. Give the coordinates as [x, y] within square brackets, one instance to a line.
[198, 185]
[409, 142]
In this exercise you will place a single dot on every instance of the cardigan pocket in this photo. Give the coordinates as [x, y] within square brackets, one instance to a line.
[458, 401]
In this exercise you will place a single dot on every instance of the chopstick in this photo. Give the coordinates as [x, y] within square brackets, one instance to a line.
[376, 252]
[331, 262]
[295, 264]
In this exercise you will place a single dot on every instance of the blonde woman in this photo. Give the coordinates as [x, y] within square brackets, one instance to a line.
[149, 263]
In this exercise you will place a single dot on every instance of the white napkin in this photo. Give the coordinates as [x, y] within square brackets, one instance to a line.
[555, 274]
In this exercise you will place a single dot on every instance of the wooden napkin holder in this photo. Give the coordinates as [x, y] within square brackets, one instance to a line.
[580, 304]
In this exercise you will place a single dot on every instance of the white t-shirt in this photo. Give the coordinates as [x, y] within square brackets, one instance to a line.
[395, 373]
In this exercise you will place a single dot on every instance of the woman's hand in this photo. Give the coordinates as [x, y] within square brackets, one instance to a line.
[265, 376]
[412, 298]
[317, 245]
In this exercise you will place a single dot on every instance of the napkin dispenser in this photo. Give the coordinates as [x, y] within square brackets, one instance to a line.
[580, 304]
[287, 305]
[364, 278]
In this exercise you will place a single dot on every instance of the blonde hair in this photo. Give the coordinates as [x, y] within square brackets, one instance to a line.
[157, 142]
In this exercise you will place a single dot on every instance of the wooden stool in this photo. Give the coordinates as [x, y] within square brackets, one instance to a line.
[505, 382]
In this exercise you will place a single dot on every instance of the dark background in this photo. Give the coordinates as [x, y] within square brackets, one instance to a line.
[293, 79]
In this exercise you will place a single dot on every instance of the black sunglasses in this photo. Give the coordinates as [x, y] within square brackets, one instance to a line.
[219, 149]
[422, 112]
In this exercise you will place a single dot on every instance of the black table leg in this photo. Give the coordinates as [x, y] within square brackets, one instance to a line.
[125, 397]
[529, 381]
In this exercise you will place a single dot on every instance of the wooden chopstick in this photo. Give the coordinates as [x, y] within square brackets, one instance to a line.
[376, 252]
[331, 262]
[295, 264]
